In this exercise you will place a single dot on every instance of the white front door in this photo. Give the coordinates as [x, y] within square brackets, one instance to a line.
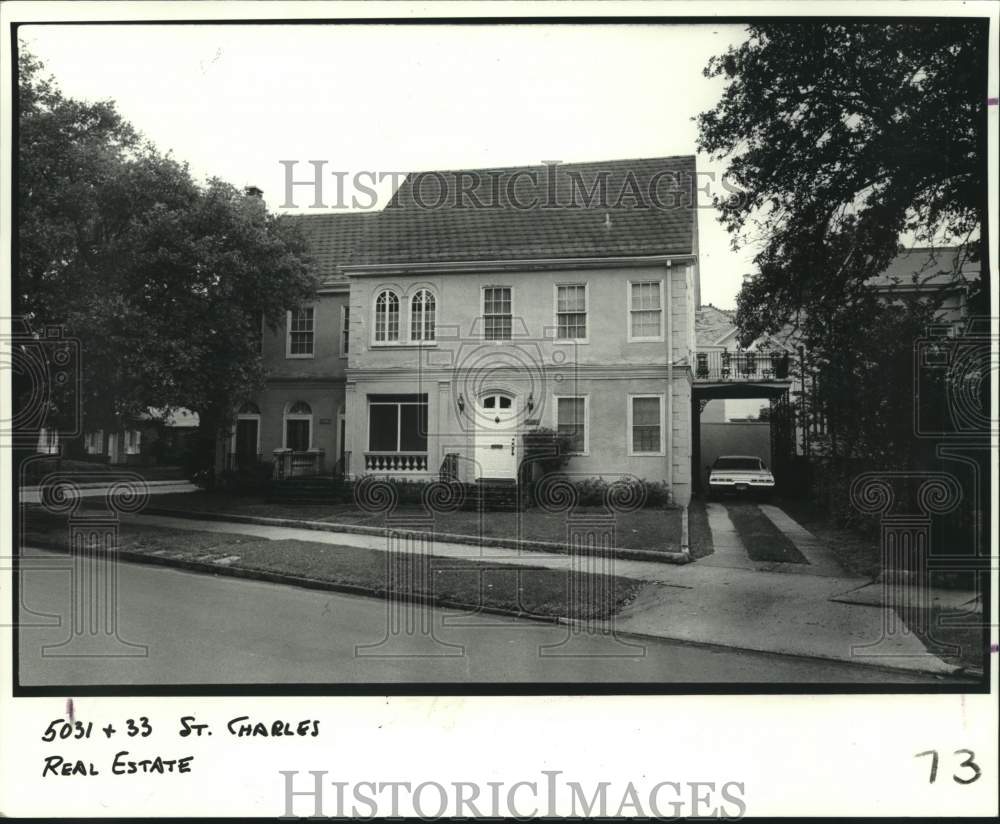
[496, 436]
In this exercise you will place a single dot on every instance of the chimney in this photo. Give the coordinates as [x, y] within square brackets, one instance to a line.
[253, 191]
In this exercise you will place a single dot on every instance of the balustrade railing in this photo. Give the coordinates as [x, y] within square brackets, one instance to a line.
[292, 464]
[396, 461]
[742, 366]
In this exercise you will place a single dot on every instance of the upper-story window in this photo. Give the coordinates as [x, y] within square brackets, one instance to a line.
[571, 311]
[345, 331]
[423, 307]
[497, 318]
[386, 316]
[300, 333]
[645, 304]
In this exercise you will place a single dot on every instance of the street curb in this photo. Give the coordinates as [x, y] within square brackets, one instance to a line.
[668, 557]
[957, 671]
[285, 579]
[244, 573]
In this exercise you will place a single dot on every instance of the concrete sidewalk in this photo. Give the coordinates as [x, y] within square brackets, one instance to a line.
[730, 606]
[33, 494]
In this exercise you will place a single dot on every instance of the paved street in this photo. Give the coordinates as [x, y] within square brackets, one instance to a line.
[207, 629]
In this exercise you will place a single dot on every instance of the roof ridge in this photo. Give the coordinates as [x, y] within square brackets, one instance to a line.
[557, 164]
[334, 212]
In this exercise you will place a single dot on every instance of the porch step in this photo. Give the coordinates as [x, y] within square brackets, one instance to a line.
[494, 496]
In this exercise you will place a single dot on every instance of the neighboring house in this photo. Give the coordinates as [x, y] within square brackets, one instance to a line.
[940, 274]
[442, 335]
[944, 274]
[711, 325]
[154, 437]
[722, 361]
[49, 442]
[118, 447]
[719, 350]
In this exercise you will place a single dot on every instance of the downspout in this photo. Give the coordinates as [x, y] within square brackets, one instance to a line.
[684, 555]
[669, 309]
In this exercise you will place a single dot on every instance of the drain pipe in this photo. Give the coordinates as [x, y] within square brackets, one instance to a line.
[669, 325]
[684, 556]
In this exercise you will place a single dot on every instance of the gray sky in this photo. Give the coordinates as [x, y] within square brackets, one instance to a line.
[233, 101]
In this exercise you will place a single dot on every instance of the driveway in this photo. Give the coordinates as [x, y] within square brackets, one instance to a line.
[764, 537]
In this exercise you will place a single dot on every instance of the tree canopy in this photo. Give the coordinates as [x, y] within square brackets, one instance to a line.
[165, 282]
[841, 137]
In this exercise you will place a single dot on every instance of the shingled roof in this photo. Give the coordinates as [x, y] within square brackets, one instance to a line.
[638, 208]
[924, 267]
[711, 323]
[331, 236]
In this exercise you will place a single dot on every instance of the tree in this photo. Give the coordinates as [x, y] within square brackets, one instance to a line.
[166, 283]
[841, 137]
[844, 137]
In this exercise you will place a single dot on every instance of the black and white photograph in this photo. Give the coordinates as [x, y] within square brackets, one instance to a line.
[379, 352]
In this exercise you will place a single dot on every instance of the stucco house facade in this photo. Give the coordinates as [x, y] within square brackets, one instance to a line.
[481, 305]
[301, 413]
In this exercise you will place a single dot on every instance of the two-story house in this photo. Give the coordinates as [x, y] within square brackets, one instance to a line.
[479, 305]
[300, 413]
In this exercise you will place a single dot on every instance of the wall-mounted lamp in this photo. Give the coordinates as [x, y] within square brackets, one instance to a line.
[531, 402]
[461, 402]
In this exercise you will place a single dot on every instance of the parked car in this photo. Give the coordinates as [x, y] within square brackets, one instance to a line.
[740, 475]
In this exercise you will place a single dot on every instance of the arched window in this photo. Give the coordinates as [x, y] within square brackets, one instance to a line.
[422, 309]
[249, 408]
[387, 316]
[298, 427]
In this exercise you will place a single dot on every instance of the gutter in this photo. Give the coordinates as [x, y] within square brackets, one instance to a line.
[362, 270]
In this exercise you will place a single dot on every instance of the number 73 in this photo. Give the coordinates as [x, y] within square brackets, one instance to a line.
[969, 763]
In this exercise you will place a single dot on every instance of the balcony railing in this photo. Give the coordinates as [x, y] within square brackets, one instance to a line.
[742, 366]
[396, 461]
[291, 464]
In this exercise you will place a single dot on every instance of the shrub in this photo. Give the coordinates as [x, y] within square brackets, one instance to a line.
[546, 449]
[626, 493]
[405, 491]
[252, 480]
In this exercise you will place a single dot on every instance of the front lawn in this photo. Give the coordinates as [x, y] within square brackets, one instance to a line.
[534, 591]
[858, 553]
[38, 468]
[652, 529]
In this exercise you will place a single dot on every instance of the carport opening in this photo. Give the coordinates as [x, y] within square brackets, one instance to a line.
[733, 426]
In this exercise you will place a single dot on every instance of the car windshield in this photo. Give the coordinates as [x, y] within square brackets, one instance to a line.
[738, 463]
